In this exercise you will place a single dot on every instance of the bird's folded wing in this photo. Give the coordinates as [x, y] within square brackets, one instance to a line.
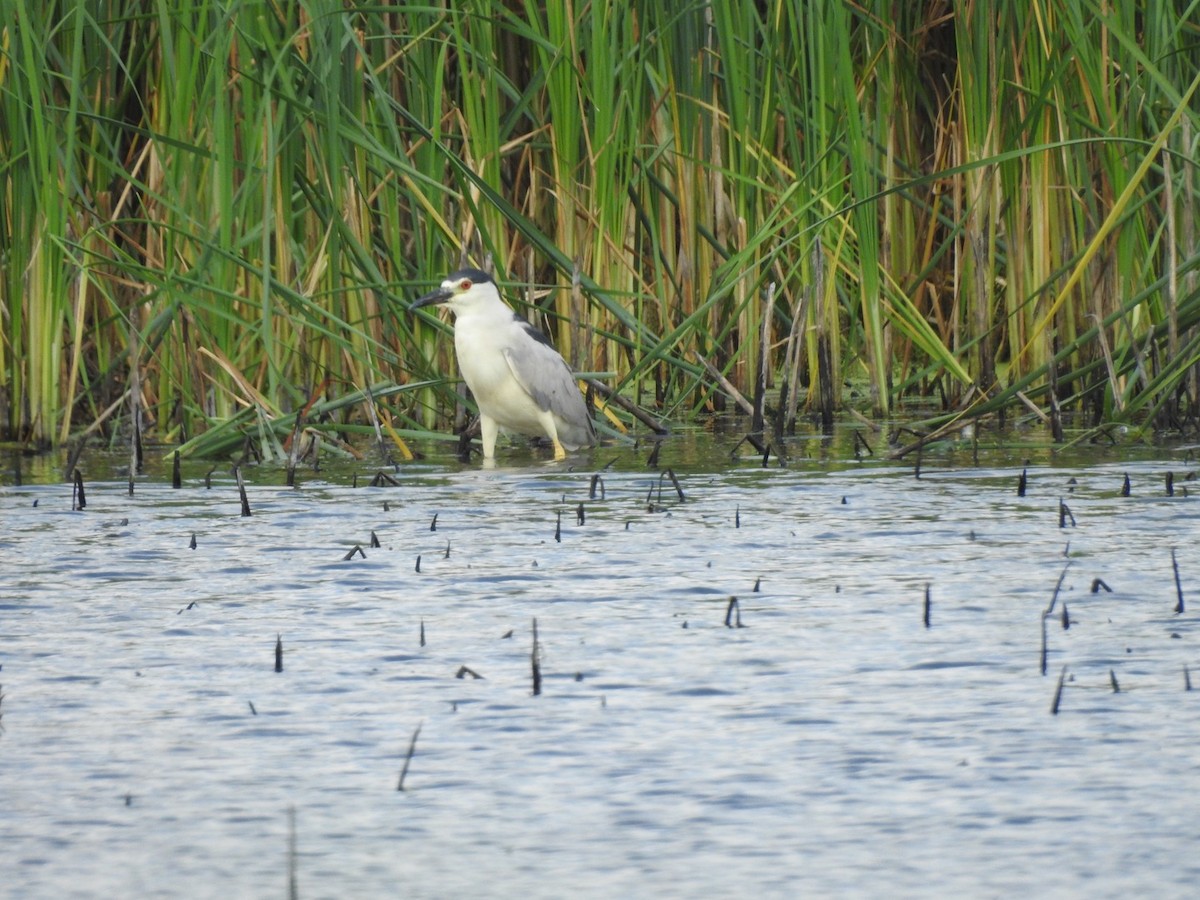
[546, 377]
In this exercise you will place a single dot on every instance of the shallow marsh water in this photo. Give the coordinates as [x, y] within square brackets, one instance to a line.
[833, 746]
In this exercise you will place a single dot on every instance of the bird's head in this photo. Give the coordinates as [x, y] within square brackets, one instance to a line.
[462, 291]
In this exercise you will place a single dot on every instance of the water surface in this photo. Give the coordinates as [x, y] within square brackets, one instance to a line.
[833, 745]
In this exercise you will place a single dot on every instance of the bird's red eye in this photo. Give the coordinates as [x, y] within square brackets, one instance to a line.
[465, 284]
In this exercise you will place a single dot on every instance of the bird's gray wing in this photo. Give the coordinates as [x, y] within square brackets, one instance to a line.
[544, 374]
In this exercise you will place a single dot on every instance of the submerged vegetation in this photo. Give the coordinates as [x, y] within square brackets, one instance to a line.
[213, 215]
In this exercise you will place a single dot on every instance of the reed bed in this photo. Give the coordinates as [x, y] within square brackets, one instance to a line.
[213, 216]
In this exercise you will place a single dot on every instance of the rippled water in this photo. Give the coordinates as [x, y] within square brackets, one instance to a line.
[833, 745]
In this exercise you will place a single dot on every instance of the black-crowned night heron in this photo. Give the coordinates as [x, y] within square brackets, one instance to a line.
[519, 381]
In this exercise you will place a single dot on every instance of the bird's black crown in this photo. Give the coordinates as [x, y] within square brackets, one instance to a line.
[475, 276]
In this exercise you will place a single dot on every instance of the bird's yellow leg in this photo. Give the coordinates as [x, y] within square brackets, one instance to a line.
[548, 426]
[487, 431]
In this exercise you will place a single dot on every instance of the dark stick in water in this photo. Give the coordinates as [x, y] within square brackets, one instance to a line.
[535, 663]
[1049, 610]
[670, 473]
[1058, 692]
[237, 473]
[293, 884]
[78, 498]
[733, 614]
[1178, 584]
[412, 746]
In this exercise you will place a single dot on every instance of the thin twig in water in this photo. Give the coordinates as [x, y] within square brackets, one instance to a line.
[1050, 610]
[1178, 584]
[535, 662]
[1058, 692]
[412, 746]
[293, 885]
[237, 474]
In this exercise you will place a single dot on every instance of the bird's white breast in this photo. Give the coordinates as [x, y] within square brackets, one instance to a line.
[480, 337]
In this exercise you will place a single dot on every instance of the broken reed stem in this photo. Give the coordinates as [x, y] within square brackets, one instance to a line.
[176, 478]
[1050, 610]
[135, 407]
[535, 663]
[928, 604]
[293, 884]
[73, 459]
[614, 398]
[733, 614]
[294, 450]
[746, 406]
[1178, 584]
[669, 473]
[1044, 649]
[237, 474]
[78, 498]
[384, 451]
[279, 653]
[412, 747]
[1058, 692]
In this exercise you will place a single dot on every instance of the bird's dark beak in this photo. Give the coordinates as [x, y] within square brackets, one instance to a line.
[441, 295]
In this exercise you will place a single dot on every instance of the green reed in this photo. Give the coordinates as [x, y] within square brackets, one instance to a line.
[970, 201]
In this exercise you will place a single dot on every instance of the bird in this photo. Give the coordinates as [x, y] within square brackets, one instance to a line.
[520, 382]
